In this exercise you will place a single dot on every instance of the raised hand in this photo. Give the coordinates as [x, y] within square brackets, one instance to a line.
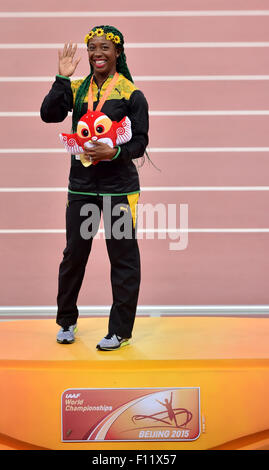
[67, 63]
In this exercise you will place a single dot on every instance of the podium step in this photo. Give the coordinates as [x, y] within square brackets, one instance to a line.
[183, 383]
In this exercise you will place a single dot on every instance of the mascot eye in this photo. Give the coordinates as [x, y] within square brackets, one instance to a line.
[102, 124]
[83, 130]
[100, 129]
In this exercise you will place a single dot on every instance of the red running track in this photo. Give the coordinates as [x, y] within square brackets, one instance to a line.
[219, 268]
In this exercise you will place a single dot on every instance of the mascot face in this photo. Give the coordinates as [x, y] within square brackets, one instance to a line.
[96, 126]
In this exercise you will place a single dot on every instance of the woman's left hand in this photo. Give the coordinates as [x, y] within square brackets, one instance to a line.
[100, 151]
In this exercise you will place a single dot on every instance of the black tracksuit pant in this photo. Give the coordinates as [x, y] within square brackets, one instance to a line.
[83, 215]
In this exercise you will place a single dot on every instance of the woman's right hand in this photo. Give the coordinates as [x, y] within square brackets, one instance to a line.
[67, 64]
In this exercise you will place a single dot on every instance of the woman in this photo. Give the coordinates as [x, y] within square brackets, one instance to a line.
[105, 185]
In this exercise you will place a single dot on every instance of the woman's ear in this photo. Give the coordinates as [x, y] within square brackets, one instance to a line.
[118, 52]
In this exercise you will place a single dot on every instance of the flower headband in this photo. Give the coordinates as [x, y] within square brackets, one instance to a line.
[100, 32]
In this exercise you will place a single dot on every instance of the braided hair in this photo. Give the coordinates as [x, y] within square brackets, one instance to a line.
[121, 67]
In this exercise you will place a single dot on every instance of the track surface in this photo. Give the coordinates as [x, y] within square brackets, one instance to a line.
[228, 151]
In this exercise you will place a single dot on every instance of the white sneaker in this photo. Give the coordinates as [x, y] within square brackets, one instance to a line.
[66, 335]
[111, 342]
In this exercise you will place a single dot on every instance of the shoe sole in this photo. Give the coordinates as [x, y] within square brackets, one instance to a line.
[124, 343]
[65, 341]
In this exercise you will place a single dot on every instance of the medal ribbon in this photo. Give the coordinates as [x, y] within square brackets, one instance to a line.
[105, 95]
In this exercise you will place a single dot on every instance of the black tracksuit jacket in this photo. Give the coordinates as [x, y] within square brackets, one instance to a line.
[118, 176]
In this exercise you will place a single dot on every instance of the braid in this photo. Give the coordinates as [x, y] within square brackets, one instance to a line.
[81, 93]
[123, 68]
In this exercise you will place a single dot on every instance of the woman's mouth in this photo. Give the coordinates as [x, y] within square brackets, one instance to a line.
[99, 63]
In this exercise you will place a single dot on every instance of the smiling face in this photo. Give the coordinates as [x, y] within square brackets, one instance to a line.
[103, 55]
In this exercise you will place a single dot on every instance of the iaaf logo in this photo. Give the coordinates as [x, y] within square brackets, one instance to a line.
[139, 414]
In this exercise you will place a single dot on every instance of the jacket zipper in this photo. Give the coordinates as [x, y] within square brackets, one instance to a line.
[97, 181]
[99, 89]
[98, 99]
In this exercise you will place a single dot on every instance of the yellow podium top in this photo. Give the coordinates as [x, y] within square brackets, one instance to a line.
[154, 339]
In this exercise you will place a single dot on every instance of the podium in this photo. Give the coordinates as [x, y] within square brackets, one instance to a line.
[182, 383]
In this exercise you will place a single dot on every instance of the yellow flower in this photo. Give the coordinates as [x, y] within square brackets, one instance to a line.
[99, 32]
[116, 39]
[88, 36]
[109, 36]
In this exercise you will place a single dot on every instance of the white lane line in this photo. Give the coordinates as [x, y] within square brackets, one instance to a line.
[184, 45]
[262, 112]
[39, 311]
[204, 188]
[33, 231]
[132, 14]
[196, 78]
[206, 149]
[19, 114]
[53, 189]
[152, 78]
[210, 113]
[34, 190]
[144, 45]
[141, 231]
[17, 151]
